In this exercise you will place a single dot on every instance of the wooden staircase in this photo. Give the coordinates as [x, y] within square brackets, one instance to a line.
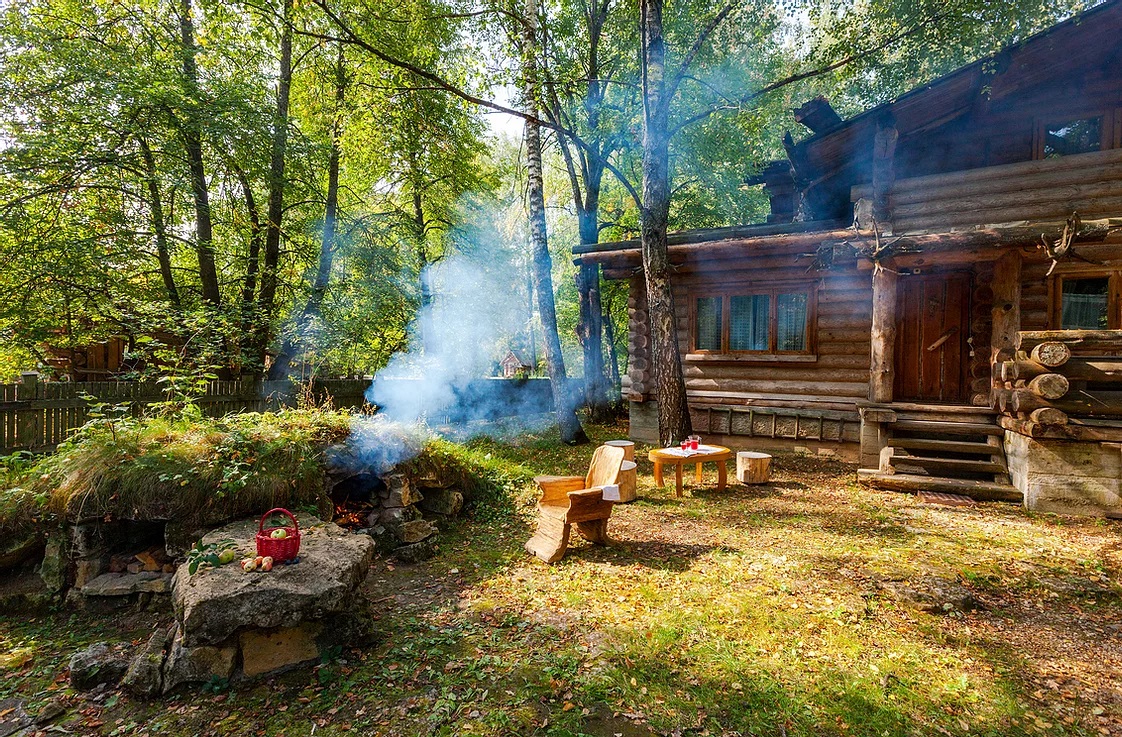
[945, 449]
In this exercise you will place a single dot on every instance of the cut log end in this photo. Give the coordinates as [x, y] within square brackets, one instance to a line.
[1051, 354]
[1048, 416]
[1049, 386]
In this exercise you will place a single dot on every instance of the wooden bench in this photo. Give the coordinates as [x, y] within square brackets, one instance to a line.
[575, 500]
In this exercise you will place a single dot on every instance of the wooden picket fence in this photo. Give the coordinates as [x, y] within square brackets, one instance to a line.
[37, 415]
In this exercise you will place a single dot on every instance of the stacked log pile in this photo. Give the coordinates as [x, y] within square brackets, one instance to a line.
[1056, 374]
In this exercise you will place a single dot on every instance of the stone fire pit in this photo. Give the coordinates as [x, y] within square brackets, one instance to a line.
[230, 624]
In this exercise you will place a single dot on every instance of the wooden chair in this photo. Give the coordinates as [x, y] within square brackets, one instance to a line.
[579, 500]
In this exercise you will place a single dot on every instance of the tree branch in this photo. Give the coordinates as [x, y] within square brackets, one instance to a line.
[809, 74]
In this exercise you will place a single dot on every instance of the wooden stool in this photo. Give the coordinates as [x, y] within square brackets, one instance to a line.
[753, 468]
[628, 482]
[628, 448]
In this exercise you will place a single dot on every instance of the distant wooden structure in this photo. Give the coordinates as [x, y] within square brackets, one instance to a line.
[890, 309]
[513, 366]
[97, 361]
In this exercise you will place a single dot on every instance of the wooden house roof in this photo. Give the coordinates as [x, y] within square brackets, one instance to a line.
[828, 164]
[840, 157]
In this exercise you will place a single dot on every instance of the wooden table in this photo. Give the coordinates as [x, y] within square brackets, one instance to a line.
[670, 456]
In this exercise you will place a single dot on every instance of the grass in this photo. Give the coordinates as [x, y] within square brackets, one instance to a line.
[208, 469]
[787, 609]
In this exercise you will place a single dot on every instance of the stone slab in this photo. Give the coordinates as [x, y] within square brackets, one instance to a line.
[124, 584]
[197, 664]
[274, 651]
[214, 603]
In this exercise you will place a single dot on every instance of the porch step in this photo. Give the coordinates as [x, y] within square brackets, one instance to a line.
[947, 428]
[949, 465]
[944, 446]
[986, 491]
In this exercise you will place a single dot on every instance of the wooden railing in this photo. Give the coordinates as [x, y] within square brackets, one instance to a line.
[1058, 374]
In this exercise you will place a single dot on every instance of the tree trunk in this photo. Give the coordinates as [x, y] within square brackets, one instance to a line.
[590, 328]
[267, 297]
[424, 314]
[327, 247]
[670, 387]
[253, 258]
[159, 225]
[571, 430]
[613, 356]
[191, 132]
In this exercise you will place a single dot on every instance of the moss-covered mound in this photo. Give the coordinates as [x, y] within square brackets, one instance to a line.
[205, 470]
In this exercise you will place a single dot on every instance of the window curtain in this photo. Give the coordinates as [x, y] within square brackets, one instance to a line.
[748, 322]
[1084, 311]
[709, 324]
[791, 322]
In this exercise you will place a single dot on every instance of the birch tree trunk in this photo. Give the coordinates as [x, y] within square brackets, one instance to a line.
[670, 387]
[571, 430]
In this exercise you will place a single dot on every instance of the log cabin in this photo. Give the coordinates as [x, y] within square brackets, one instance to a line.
[937, 293]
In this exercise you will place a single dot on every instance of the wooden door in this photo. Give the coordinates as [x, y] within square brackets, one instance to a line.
[932, 354]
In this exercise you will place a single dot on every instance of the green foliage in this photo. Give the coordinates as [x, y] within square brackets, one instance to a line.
[210, 554]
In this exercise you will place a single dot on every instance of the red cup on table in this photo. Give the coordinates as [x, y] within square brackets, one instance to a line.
[685, 445]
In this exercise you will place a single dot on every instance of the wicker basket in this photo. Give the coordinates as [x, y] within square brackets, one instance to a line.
[281, 550]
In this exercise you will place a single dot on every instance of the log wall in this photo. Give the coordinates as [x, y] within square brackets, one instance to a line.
[1048, 189]
[807, 400]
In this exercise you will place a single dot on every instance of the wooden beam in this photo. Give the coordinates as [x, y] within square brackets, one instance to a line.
[884, 174]
[1082, 340]
[1006, 311]
[998, 236]
[882, 367]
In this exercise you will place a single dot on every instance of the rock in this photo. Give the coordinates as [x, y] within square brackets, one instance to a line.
[148, 561]
[134, 568]
[87, 540]
[55, 563]
[145, 674]
[433, 481]
[51, 711]
[278, 650]
[401, 492]
[394, 516]
[448, 502]
[416, 552]
[21, 549]
[415, 531]
[384, 539]
[87, 570]
[13, 718]
[197, 664]
[123, 584]
[97, 664]
[215, 602]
